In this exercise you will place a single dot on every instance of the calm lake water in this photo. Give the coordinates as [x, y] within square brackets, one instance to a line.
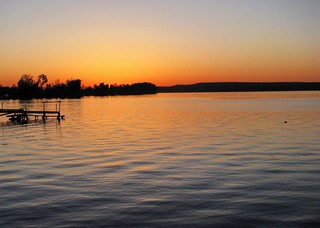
[165, 160]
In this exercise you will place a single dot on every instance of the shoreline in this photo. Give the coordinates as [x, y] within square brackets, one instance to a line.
[241, 87]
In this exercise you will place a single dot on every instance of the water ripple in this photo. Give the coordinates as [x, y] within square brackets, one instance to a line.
[166, 161]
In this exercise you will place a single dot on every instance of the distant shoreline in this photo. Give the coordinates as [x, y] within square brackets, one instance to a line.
[241, 87]
[73, 89]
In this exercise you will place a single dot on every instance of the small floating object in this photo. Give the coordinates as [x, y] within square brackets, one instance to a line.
[285, 122]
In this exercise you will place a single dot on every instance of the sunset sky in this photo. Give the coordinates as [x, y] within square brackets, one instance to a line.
[165, 42]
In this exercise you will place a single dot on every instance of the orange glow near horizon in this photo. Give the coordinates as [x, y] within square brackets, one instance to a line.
[167, 70]
[189, 42]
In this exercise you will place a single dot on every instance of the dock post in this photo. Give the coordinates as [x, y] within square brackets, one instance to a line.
[58, 110]
[44, 112]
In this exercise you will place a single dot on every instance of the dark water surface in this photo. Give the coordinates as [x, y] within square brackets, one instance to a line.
[165, 160]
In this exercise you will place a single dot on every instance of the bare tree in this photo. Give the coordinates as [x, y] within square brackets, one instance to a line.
[42, 80]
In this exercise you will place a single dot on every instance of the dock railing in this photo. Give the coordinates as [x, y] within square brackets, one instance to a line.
[21, 115]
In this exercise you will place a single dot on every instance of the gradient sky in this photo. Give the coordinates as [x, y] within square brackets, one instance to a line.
[165, 42]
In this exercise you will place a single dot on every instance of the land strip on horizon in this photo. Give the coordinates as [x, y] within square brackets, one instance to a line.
[241, 87]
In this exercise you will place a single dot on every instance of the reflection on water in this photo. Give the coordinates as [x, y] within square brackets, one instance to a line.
[166, 160]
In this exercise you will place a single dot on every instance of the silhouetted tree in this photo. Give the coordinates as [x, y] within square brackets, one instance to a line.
[5, 92]
[26, 81]
[42, 80]
[124, 89]
[26, 87]
[58, 90]
[74, 88]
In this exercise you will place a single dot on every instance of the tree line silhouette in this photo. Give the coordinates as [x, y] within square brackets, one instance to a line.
[29, 88]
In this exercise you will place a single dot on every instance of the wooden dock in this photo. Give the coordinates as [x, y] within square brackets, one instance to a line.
[22, 115]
